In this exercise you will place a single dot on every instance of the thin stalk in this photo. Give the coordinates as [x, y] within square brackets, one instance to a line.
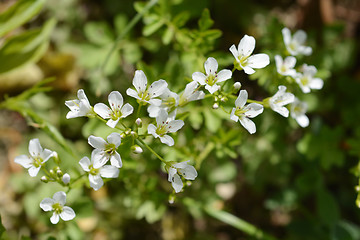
[151, 150]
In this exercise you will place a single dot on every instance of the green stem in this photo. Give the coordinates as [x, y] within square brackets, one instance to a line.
[72, 183]
[253, 101]
[138, 110]
[151, 150]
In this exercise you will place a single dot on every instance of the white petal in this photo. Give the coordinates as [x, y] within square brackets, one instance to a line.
[290, 61]
[246, 46]
[71, 114]
[234, 52]
[172, 171]
[212, 88]
[286, 35]
[60, 197]
[278, 62]
[153, 111]
[109, 171]
[115, 160]
[54, 218]
[157, 88]
[85, 163]
[223, 75]
[306, 50]
[302, 120]
[309, 70]
[112, 123]
[46, 204]
[102, 110]
[211, 66]
[67, 213]
[34, 147]
[139, 81]
[97, 142]
[24, 161]
[99, 158]
[162, 117]
[248, 70]
[155, 102]
[199, 77]
[96, 182]
[82, 96]
[46, 154]
[152, 130]
[126, 110]
[166, 139]
[241, 99]
[175, 125]
[299, 37]
[248, 125]
[176, 183]
[115, 100]
[114, 138]
[233, 116]
[132, 93]
[281, 110]
[258, 60]
[253, 109]
[189, 172]
[33, 171]
[316, 83]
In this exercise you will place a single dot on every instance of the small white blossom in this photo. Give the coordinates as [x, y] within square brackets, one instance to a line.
[212, 76]
[285, 67]
[242, 55]
[117, 110]
[237, 86]
[106, 150]
[187, 171]
[280, 99]
[242, 113]
[190, 94]
[165, 125]
[306, 79]
[38, 157]
[295, 44]
[79, 107]
[97, 170]
[56, 204]
[66, 178]
[169, 102]
[298, 110]
[144, 93]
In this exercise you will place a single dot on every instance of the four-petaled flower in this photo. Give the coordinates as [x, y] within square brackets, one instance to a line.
[169, 102]
[242, 113]
[116, 111]
[187, 171]
[190, 94]
[56, 204]
[306, 79]
[97, 170]
[79, 107]
[285, 67]
[297, 111]
[280, 99]
[244, 60]
[295, 44]
[106, 150]
[146, 94]
[37, 158]
[212, 76]
[165, 125]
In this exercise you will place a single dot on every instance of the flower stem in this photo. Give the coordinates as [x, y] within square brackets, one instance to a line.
[151, 150]
[72, 183]
[254, 101]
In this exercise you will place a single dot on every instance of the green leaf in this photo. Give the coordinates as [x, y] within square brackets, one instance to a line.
[212, 121]
[205, 22]
[168, 36]
[180, 19]
[98, 33]
[25, 48]
[152, 27]
[2, 228]
[18, 14]
[327, 208]
[211, 34]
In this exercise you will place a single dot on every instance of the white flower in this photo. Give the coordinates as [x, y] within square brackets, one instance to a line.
[295, 45]
[185, 170]
[146, 94]
[105, 150]
[66, 178]
[190, 94]
[298, 110]
[307, 81]
[169, 102]
[56, 204]
[37, 158]
[242, 55]
[79, 107]
[212, 76]
[116, 111]
[280, 99]
[97, 170]
[242, 113]
[165, 125]
[285, 67]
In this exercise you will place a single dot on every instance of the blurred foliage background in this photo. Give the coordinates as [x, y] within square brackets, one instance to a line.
[290, 182]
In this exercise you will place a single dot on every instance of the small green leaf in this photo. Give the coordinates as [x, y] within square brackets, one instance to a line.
[181, 19]
[211, 34]
[152, 27]
[327, 208]
[18, 14]
[168, 36]
[98, 33]
[205, 22]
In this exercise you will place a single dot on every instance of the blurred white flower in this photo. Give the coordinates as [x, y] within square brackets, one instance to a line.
[38, 156]
[117, 110]
[212, 76]
[242, 113]
[165, 124]
[306, 79]
[56, 204]
[169, 102]
[66, 178]
[280, 99]
[106, 150]
[295, 44]
[242, 55]
[187, 171]
[285, 67]
[190, 94]
[297, 111]
[79, 107]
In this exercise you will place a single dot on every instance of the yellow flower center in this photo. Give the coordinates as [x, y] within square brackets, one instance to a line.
[57, 207]
[93, 171]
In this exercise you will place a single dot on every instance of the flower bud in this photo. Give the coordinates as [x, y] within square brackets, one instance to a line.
[59, 173]
[138, 122]
[223, 99]
[44, 179]
[52, 173]
[56, 158]
[136, 149]
[236, 87]
[172, 198]
[134, 134]
[122, 135]
[215, 106]
[66, 178]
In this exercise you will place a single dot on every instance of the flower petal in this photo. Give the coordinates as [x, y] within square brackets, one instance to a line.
[67, 214]
[99, 158]
[258, 60]
[166, 139]
[241, 99]
[115, 160]
[114, 138]
[290, 62]
[162, 117]
[176, 183]
[34, 147]
[33, 171]
[299, 37]
[253, 109]
[126, 110]
[54, 218]
[132, 93]
[248, 125]
[85, 163]
[102, 110]
[248, 70]
[286, 35]
[302, 120]
[188, 173]
[175, 125]
[60, 197]
[211, 66]
[233, 116]
[97, 142]
[199, 77]
[115, 100]
[157, 88]
[246, 46]
[46, 204]
[96, 182]
[212, 88]
[24, 161]
[152, 130]
[234, 52]
[112, 123]
[316, 83]
[223, 75]
[172, 171]
[109, 171]
[46, 154]
[139, 81]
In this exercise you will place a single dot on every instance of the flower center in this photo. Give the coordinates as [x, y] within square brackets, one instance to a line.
[57, 207]
[304, 81]
[37, 161]
[145, 95]
[93, 171]
[283, 68]
[162, 129]
[211, 79]
[243, 60]
[110, 148]
[293, 46]
[240, 112]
